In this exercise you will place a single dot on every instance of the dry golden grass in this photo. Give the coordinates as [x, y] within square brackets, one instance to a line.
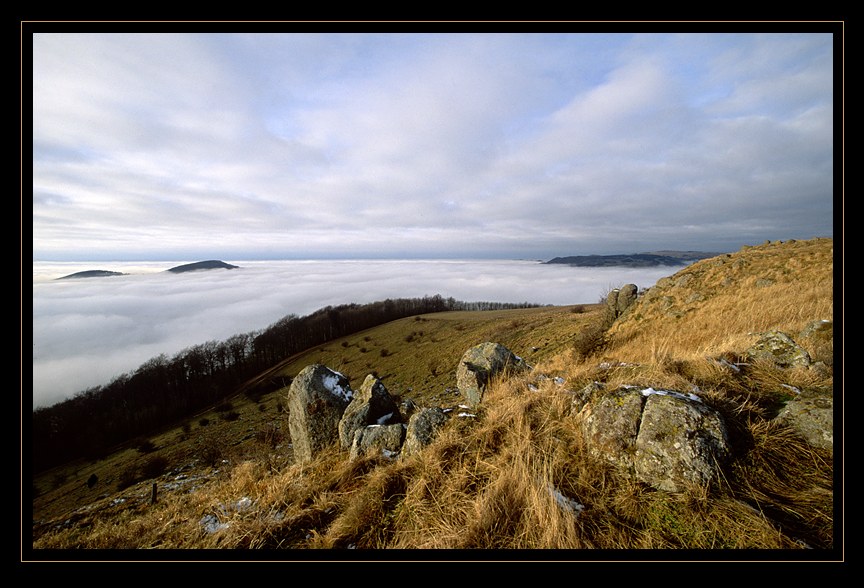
[515, 475]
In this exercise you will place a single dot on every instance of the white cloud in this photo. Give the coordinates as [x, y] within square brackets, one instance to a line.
[88, 331]
[429, 144]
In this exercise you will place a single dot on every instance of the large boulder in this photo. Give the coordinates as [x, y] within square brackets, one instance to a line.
[480, 364]
[680, 442]
[371, 405]
[666, 439]
[316, 400]
[423, 426]
[386, 440]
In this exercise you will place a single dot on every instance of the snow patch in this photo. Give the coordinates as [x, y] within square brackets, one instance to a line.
[331, 383]
[567, 504]
[650, 391]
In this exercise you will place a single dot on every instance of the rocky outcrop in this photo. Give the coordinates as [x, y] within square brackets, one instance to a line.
[422, 429]
[620, 299]
[370, 405]
[811, 415]
[316, 400]
[667, 439]
[386, 440]
[480, 364]
[781, 349]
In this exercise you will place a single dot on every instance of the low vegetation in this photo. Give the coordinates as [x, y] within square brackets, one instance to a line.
[512, 474]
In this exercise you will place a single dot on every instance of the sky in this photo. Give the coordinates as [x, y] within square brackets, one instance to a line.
[152, 146]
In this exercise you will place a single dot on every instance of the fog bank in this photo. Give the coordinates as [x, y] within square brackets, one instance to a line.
[88, 331]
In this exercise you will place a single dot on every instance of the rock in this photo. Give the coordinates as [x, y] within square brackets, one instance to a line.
[823, 328]
[811, 415]
[385, 440]
[620, 299]
[371, 405]
[317, 399]
[666, 439]
[680, 442]
[408, 408]
[480, 364]
[781, 349]
[423, 426]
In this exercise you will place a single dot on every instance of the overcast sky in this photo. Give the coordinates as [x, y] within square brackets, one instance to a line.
[265, 146]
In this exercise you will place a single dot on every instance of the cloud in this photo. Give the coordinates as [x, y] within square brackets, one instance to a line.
[434, 144]
[87, 332]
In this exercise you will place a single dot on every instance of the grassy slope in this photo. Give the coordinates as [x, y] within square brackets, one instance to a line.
[488, 482]
[420, 363]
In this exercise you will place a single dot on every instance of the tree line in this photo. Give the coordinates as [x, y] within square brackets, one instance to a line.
[164, 390]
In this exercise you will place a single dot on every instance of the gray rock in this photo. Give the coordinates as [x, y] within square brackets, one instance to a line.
[386, 440]
[821, 328]
[811, 415]
[680, 442]
[316, 400]
[610, 423]
[781, 349]
[620, 299]
[666, 439]
[423, 426]
[626, 297]
[480, 364]
[371, 405]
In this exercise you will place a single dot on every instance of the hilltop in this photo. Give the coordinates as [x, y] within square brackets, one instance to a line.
[648, 259]
[201, 265]
[515, 472]
[91, 274]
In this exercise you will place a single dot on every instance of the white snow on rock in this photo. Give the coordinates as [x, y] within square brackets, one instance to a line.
[650, 391]
[331, 383]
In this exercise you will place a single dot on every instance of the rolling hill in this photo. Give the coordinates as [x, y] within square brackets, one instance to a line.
[497, 480]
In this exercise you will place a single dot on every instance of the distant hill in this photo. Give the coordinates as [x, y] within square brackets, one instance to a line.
[91, 274]
[647, 259]
[202, 265]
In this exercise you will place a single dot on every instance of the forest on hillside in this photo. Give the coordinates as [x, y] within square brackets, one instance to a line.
[164, 390]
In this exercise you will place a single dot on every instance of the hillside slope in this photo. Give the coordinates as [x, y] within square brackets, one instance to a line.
[516, 473]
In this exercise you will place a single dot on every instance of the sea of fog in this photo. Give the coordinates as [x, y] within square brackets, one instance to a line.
[88, 331]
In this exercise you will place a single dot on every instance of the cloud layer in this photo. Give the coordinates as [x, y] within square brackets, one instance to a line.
[88, 331]
[166, 146]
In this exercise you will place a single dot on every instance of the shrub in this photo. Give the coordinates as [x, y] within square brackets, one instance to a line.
[591, 339]
[145, 445]
[127, 477]
[384, 353]
[154, 466]
[203, 422]
[270, 435]
[224, 406]
[230, 416]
